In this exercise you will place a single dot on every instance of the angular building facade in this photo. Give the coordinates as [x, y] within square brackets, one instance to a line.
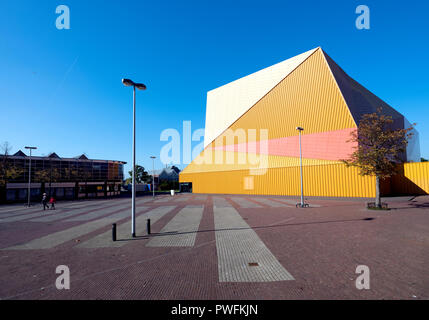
[251, 144]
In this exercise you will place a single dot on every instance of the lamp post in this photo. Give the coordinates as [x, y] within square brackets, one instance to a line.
[140, 86]
[302, 204]
[29, 175]
[153, 175]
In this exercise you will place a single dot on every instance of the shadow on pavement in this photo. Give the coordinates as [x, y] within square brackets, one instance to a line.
[239, 229]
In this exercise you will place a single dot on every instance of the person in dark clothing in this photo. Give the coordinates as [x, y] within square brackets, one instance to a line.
[45, 201]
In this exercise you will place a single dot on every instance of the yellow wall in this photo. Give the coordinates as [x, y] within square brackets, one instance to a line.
[320, 180]
[326, 180]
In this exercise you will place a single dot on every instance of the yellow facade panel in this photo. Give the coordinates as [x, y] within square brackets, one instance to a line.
[324, 180]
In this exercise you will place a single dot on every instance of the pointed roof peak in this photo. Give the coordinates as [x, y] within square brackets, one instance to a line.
[359, 99]
[19, 153]
[82, 157]
[53, 155]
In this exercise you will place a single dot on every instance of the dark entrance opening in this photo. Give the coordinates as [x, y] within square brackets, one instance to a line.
[185, 187]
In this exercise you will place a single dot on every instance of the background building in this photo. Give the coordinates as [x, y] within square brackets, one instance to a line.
[64, 178]
[169, 174]
[164, 179]
[252, 145]
[169, 178]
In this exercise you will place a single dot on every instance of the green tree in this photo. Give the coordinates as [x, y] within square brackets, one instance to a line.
[379, 148]
[166, 185]
[141, 176]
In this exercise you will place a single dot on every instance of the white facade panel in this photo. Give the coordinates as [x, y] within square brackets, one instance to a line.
[228, 103]
[23, 185]
[61, 185]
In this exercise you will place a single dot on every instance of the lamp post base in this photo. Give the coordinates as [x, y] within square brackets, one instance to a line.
[133, 235]
[302, 205]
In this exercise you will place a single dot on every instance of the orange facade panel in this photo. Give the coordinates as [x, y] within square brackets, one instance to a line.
[335, 180]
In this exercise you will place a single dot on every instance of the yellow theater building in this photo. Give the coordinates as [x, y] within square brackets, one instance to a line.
[251, 143]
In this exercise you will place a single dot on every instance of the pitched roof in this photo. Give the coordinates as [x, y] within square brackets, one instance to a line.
[54, 155]
[359, 99]
[316, 92]
[82, 157]
[169, 174]
[19, 154]
[228, 103]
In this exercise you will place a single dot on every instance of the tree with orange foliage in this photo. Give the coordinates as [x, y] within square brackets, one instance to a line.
[379, 148]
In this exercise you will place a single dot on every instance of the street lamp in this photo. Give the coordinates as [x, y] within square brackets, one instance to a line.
[29, 175]
[302, 204]
[153, 175]
[140, 86]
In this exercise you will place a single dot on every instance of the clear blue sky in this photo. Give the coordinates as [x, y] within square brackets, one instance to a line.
[61, 90]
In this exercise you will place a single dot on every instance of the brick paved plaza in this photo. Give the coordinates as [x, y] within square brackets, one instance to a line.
[216, 247]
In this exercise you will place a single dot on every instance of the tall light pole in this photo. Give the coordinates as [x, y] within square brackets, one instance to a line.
[302, 204]
[153, 175]
[29, 175]
[140, 86]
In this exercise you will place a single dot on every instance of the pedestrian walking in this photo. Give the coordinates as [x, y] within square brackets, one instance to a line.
[52, 202]
[45, 201]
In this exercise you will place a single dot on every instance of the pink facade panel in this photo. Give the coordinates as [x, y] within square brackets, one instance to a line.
[330, 145]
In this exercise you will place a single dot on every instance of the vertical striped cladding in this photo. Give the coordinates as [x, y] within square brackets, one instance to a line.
[325, 180]
[309, 97]
[322, 99]
[412, 178]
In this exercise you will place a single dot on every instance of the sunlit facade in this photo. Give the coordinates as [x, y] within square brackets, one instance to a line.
[251, 143]
[64, 178]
